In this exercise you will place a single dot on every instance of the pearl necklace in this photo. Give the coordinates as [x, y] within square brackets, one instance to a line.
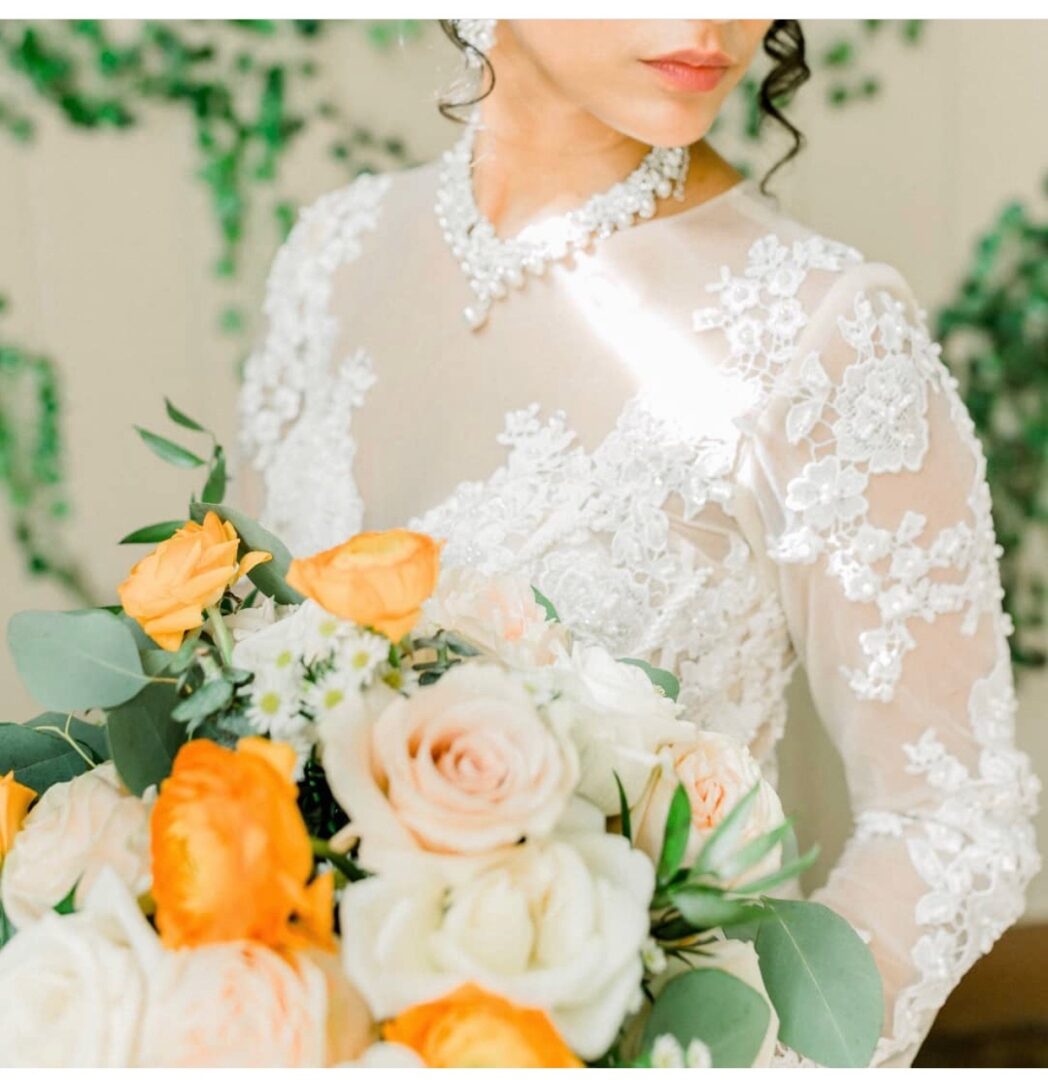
[494, 266]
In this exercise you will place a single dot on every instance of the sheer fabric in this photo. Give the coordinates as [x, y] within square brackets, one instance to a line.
[721, 443]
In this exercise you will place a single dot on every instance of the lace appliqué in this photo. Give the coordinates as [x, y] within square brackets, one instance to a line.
[297, 399]
[601, 533]
[975, 849]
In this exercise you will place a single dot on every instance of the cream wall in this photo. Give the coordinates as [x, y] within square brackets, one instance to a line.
[106, 241]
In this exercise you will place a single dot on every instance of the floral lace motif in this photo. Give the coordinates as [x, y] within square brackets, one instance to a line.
[597, 532]
[974, 847]
[297, 400]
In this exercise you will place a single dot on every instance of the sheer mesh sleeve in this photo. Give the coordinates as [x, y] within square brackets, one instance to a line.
[873, 497]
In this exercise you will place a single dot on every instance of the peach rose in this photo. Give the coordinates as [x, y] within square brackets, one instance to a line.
[14, 805]
[376, 579]
[76, 829]
[465, 765]
[498, 614]
[167, 592]
[472, 1029]
[231, 855]
[716, 772]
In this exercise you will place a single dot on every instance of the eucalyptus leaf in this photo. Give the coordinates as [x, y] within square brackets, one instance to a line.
[143, 738]
[729, 1016]
[705, 908]
[72, 661]
[270, 576]
[181, 419]
[91, 737]
[547, 604]
[170, 451]
[675, 835]
[38, 759]
[153, 534]
[666, 681]
[210, 698]
[823, 983]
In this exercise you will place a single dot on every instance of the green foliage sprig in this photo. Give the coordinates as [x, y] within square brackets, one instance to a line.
[995, 338]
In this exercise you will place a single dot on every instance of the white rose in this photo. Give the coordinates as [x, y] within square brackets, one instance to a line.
[75, 830]
[497, 613]
[235, 1004]
[617, 719]
[464, 766]
[72, 987]
[716, 772]
[557, 924]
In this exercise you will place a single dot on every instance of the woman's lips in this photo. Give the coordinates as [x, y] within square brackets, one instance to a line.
[690, 69]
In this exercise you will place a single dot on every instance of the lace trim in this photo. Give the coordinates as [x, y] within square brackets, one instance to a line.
[297, 399]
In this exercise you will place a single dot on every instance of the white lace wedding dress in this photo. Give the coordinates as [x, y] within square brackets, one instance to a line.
[716, 441]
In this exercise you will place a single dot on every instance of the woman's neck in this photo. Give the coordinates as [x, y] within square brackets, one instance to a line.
[537, 154]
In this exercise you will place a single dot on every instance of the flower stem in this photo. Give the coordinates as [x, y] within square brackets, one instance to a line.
[323, 850]
[220, 632]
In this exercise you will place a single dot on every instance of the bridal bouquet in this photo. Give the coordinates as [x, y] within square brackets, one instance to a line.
[357, 808]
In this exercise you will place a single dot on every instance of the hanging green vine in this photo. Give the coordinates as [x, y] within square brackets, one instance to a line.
[995, 338]
[31, 471]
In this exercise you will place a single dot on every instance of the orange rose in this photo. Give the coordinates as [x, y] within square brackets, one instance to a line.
[14, 805]
[471, 1028]
[376, 579]
[167, 591]
[231, 855]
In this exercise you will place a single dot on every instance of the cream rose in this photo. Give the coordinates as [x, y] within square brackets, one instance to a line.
[716, 772]
[557, 924]
[617, 719]
[75, 830]
[236, 1004]
[72, 987]
[498, 614]
[464, 766]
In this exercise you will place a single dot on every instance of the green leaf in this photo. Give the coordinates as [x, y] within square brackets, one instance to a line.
[624, 810]
[705, 908]
[144, 739]
[65, 906]
[547, 604]
[92, 737]
[210, 698]
[789, 870]
[752, 853]
[675, 835]
[666, 681]
[722, 842]
[215, 488]
[823, 983]
[77, 660]
[153, 534]
[7, 928]
[269, 577]
[181, 419]
[729, 1016]
[38, 758]
[170, 452]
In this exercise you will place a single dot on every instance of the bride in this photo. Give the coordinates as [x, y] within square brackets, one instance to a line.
[581, 348]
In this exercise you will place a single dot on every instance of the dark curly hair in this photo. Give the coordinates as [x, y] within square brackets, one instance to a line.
[783, 43]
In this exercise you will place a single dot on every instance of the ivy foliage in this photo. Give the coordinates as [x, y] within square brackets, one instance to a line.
[994, 335]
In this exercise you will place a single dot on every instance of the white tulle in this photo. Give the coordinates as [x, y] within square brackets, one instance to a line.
[720, 443]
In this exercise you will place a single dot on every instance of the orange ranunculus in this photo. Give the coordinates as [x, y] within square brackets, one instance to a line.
[470, 1028]
[231, 855]
[376, 579]
[167, 591]
[14, 805]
